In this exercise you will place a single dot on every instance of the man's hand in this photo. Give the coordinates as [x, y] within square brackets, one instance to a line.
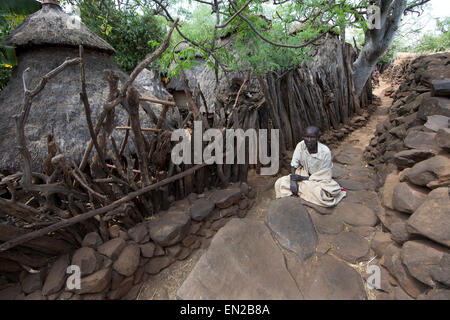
[294, 188]
[296, 177]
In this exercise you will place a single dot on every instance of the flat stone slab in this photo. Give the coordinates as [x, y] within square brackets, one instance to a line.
[428, 171]
[351, 247]
[242, 262]
[292, 226]
[432, 218]
[327, 224]
[408, 158]
[169, 228]
[422, 140]
[327, 278]
[346, 158]
[226, 197]
[355, 214]
[201, 208]
[436, 122]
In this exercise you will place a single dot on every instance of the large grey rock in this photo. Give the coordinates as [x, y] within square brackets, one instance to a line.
[425, 260]
[138, 233]
[201, 208]
[380, 242]
[436, 122]
[387, 191]
[92, 240]
[346, 158]
[351, 247]
[408, 158]
[225, 198]
[440, 88]
[242, 262]
[432, 218]
[407, 197]
[430, 171]
[87, 259]
[112, 248]
[356, 214]
[443, 139]
[327, 224]
[128, 261]
[434, 106]
[32, 282]
[169, 228]
[292, 226]
[56, 278]
[96, 282]
[422, 140]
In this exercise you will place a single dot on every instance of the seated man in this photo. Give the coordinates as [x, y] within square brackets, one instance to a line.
[311, 173]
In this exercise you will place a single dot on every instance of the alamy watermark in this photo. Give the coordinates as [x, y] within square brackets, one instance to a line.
[374, 280]
[373, 17]
[213, 153]
[74, 280]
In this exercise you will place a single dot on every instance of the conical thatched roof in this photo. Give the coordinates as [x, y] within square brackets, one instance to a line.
[51, 26]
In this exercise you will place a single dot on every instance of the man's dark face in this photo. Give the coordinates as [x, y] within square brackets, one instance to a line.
[311, 138]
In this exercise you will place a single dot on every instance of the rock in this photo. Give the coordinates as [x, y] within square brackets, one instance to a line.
[443, 139]
[407, 197]
[56, 277]
[389, 217]
[37, 295]
[408, 158]
[32, 282]
[87, 259]
[339, 171]
[189, 240]
[440, 88]
[155, 265]
[169, 228]
[243, 204]
[10, 293]
[244, 188]
[423, 259]
[399, 233]
[430, 170]
[112, 248]
[226, 197]
[435, 294]
[216, 225]
[437, 122]
[400, 294]
[387, 193]
[356, 214]
[96, 282]
[326, 278]
[92, 240]
[114, 231]
[138, 233]
[124, 287]
[379, 242]
[327, 224]
[116, 279]
[292, 226]
[422, 140]
[348, 184]
[364, 231]
[147, 250]
[242, 262]
[173, 251]
[431, 219]
[346, 158]
[128, 261]
[392, 261]
[185, 252]
[65, 295]
[434, 106]
[350, 247]
[133, 293]
[201, 208]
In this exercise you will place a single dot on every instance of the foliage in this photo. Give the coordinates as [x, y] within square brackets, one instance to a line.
[435, 43]
[133, 32]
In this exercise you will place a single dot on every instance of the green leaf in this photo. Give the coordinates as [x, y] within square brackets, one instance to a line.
[8, 56]
[23, 7]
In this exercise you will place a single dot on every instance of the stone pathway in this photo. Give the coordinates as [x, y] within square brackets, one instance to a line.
[266, 257]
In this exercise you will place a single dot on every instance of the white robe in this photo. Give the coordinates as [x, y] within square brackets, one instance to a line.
[320, 189]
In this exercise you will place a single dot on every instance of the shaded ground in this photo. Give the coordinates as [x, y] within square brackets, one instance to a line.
[165, 284]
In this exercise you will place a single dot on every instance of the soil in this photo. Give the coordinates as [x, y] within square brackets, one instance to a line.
[164, 285]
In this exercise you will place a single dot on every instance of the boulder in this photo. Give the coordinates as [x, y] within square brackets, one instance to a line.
[242, 262]
[96, 282]
[147, 250]
[346, 158]
[443, 139]
[422, 140]
[87, 259]
[128, 260]
[437, 122]
[387, 192]
[380, 241]
[407, 197]
[408, 158]
[432, 218]
[399, 232]
[351, 247]
[435, 294]
[124, 287]
[225, 198]
[356, 214]
[327, 224]
[92, 240]
[138, 233]
[156, 264]
[440, 88]
[292, 226]
[169, 228]
[424, 260]
[429, 171]
[112, 248]
[32, 282]
[201, 208]
[56, 277]
[434, 106]
[392, 261]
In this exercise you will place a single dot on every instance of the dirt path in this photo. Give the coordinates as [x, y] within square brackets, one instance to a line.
[164, 285]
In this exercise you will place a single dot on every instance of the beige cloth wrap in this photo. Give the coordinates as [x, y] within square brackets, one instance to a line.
[320, 189]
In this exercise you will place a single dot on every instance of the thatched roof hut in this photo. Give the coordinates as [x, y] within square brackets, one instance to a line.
[43, 41]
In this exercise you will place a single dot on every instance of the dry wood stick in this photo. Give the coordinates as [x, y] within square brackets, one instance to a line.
[92, 213]
[142, 129]
[163, 102]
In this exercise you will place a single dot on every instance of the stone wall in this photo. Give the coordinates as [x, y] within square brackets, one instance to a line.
[411, 154]
[117, 268]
